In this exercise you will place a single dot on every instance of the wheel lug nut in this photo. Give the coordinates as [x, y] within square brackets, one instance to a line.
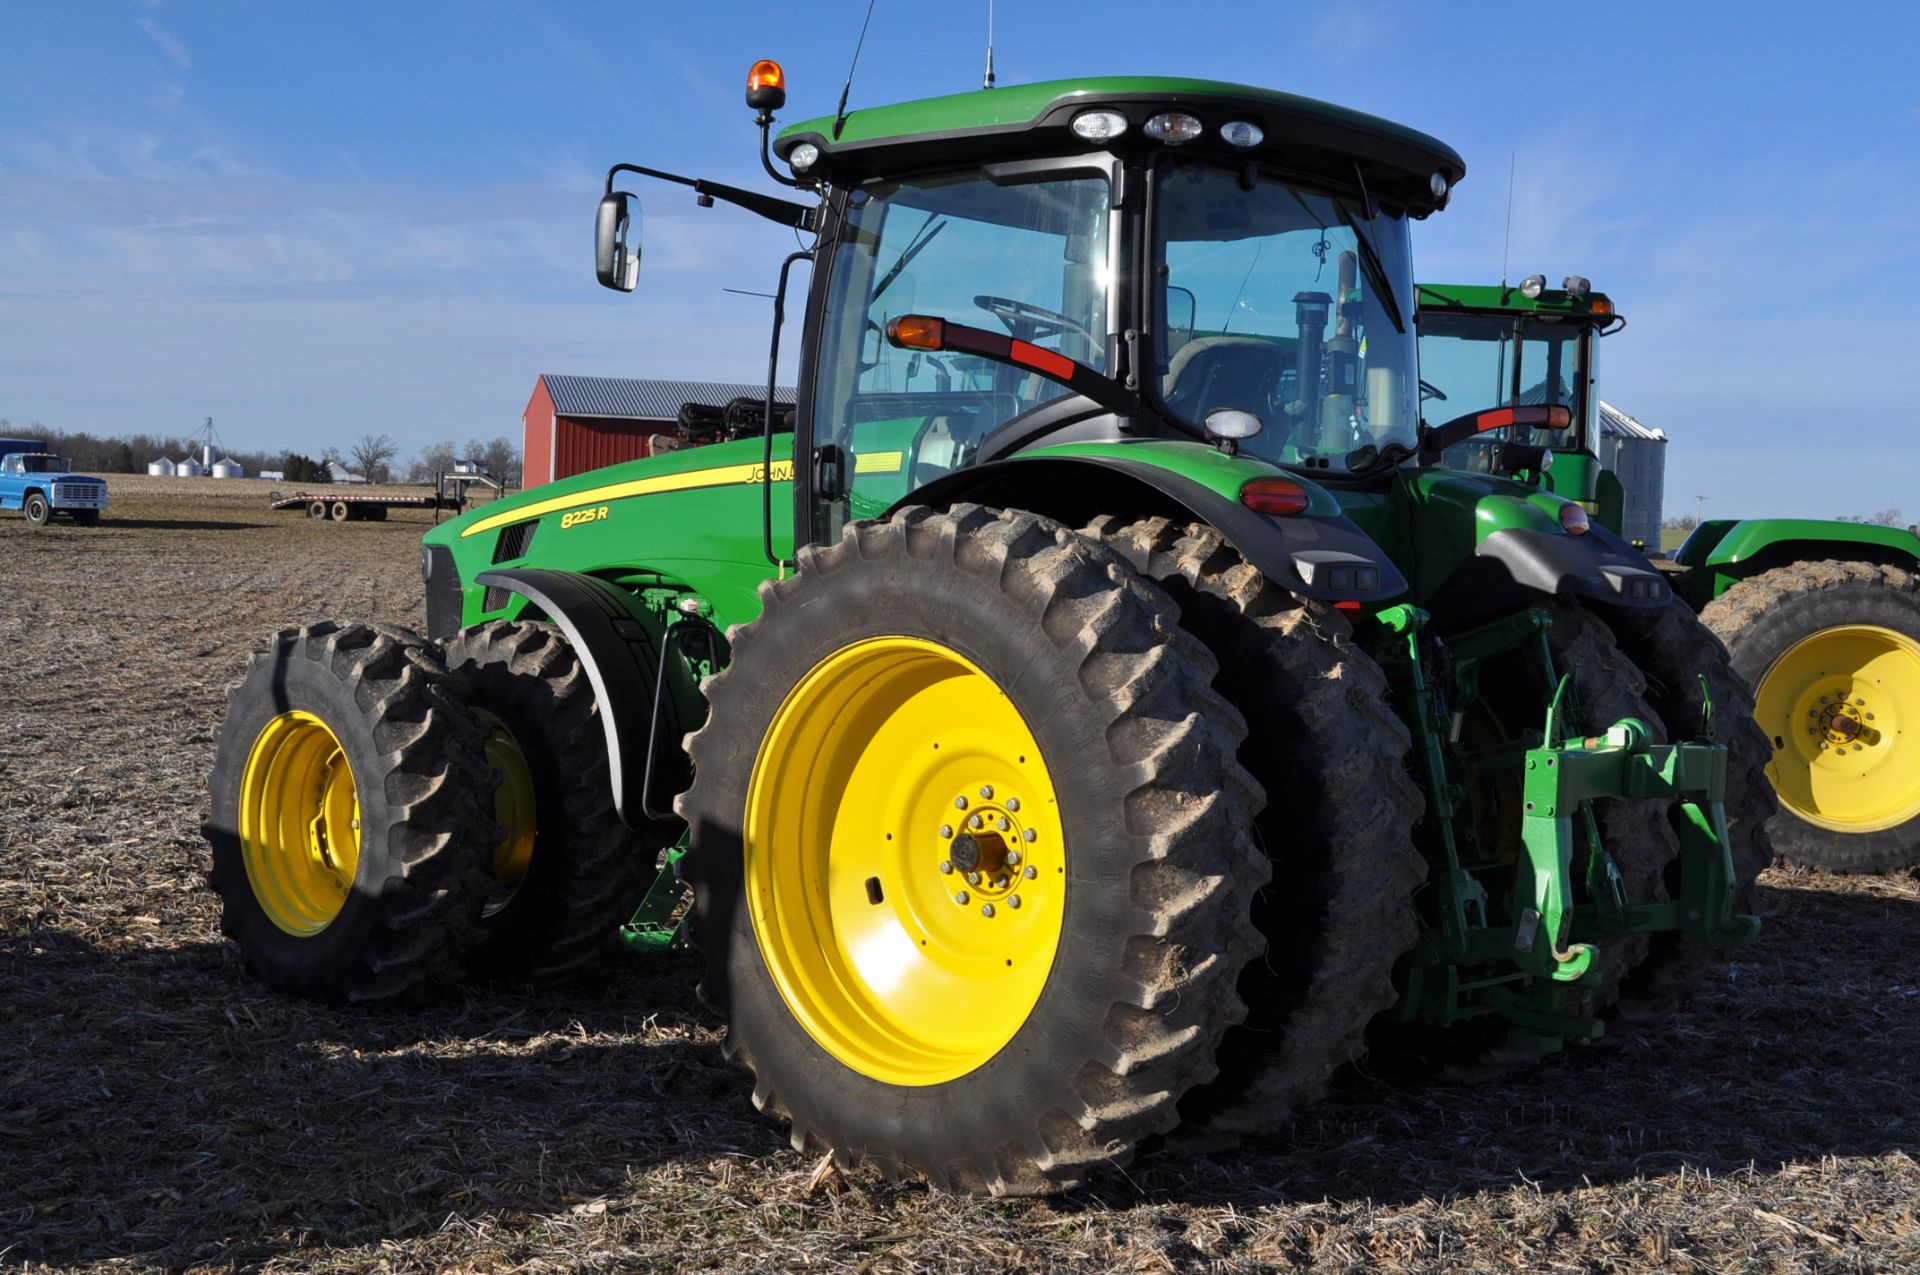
[1013, 858]
[962, 898]
[1031, 872]
[1005, 823]
[976, 822]
[1033, 834]
[1013, 803]
[986, 909]
[1013, 900]
[959, 803]
[946, 831]
[946, 867]
[986, 792]
[1862, 703]
[973, 878]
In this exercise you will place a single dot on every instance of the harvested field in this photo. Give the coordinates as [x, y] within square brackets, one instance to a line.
[158, 1109]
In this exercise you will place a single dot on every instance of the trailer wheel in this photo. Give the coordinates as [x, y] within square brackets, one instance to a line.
[567, 872]
[1338, 825]
[1833, 652]
[36, 508]
[317, 510]
[971, 852]
[341, 511]
[348, 853]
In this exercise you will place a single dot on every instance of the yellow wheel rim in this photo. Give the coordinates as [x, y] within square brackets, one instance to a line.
[299, 823]
[905, 861]
[513, 809]
[1835, 706]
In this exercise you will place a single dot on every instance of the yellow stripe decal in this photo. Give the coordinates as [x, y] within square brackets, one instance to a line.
[722, 476]
[877, 462]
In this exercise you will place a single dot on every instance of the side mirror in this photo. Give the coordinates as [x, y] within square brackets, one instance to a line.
[616, 265]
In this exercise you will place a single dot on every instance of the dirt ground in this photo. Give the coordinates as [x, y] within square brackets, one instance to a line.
[159, 1109]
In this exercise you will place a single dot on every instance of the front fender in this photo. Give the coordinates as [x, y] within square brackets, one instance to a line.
[1308, 553]
[618, 643]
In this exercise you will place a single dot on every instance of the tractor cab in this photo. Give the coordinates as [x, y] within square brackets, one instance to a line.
[1522, 346]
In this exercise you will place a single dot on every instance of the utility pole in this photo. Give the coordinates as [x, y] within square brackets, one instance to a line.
[1699, 510]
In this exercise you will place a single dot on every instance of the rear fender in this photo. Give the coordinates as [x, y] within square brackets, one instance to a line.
[1300, 553]
[618, 641]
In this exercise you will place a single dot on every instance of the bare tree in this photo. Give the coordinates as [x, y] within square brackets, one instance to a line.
[371, 455]
[500, 458]
[438, 458]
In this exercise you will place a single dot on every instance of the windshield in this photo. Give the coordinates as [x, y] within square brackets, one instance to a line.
[1029, 256]
[43, 464]
[1270, 303]
[1469, 362]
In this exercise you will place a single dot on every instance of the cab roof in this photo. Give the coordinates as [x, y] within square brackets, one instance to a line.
[1008, 123]
[1508, 297]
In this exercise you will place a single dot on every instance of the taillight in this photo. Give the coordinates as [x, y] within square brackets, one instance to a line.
[1574, 519]
[1278, 496]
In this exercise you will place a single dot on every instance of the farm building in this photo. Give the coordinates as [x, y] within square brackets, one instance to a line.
[577, 423]
[1638, 456]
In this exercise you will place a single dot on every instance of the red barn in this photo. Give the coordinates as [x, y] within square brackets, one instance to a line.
[577, 423]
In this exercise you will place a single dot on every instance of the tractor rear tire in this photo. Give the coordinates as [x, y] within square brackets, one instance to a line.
[349, 853]
[1809, 638]
[568, 871]
[1338, 825]
[36, 508]
[1674, 649]
[929, 670]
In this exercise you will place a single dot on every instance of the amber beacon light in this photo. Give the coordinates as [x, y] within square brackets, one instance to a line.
[766, 86]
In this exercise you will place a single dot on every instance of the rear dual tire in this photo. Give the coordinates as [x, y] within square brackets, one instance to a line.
[872, 1005]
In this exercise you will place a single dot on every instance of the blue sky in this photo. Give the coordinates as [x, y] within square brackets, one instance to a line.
[315, 221]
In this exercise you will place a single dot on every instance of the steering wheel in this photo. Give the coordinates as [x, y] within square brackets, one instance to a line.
[1029, 322]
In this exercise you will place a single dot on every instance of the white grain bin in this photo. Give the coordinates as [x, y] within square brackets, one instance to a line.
[188, 468]
[1638, 457]
[224, 468]
[162, 468]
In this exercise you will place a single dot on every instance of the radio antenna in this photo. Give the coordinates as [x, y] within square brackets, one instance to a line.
[1507, 239]
[989, 80]
[840, 115]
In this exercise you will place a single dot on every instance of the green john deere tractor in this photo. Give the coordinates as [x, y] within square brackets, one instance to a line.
[1822, 617]
[1088, 712]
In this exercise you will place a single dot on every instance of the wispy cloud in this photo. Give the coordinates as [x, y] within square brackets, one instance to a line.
[170, 46]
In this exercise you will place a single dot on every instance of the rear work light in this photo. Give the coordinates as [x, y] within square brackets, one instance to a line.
[1173, 127]
[1281, 497]
[1099, 126]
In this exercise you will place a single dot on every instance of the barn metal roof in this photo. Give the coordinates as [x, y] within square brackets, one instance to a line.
[626, 397]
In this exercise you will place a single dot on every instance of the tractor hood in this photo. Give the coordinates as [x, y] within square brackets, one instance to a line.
[1484, 541]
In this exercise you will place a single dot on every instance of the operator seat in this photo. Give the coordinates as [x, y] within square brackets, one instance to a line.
[1240, 372]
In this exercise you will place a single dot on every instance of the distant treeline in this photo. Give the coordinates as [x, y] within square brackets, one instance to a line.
[131, 453]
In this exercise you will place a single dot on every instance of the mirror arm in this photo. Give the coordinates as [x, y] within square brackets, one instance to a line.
[783, 212]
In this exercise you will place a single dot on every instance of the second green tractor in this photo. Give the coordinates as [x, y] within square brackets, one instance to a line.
[1095, 709]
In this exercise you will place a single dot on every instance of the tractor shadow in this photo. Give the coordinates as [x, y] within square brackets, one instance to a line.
[1807, 1046]
[158, 1104]
[111, 523]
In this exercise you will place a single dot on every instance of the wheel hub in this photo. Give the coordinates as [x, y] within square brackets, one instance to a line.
[989, 860]
[895, 804]
[1834, 706]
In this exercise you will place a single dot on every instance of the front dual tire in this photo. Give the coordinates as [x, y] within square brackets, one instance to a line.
[894, 1002]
